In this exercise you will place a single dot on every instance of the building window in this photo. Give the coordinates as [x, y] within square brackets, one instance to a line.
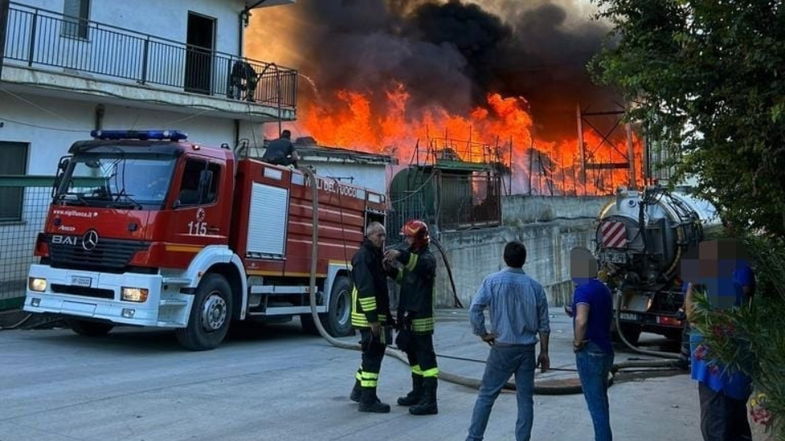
[76, 13]
[13, 161]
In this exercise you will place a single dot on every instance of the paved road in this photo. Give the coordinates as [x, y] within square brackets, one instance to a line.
[276, 383]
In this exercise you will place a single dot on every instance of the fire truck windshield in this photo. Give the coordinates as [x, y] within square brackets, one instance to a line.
[116, 180]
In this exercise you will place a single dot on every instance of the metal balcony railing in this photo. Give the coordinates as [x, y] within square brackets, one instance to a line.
[38, 37]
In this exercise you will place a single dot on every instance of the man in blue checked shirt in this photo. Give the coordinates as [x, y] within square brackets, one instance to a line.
[519, 314]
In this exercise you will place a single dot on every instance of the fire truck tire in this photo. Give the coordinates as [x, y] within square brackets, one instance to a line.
[210, 316]
[338, 321]
[89, 328]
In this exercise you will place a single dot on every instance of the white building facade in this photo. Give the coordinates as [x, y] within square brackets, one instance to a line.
[72, 66]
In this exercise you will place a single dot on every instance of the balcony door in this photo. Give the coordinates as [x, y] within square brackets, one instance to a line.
[199, 54]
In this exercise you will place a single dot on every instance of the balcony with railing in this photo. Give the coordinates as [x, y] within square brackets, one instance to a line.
[49, 49]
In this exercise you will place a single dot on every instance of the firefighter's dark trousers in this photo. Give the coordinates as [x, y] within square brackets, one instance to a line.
[422, 357]
[372, 355]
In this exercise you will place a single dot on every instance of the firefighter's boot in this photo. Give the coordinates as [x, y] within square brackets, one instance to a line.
[357, 392]
[369, 402]
[415, 395]
[427, 404]
[357, 389]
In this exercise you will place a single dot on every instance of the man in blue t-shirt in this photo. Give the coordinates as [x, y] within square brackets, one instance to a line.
[728, 282]
[592, 307]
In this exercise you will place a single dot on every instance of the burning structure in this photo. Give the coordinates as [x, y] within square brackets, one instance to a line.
[387, 75]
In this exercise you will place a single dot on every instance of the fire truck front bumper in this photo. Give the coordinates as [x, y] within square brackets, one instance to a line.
[127, 298]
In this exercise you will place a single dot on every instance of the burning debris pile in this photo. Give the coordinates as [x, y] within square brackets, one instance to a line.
[504, 75]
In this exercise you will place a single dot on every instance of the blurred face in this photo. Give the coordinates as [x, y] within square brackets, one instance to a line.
[377, 237]
[409, 240]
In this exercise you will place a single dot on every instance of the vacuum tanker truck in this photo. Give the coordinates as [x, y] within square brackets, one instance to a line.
[641, 238]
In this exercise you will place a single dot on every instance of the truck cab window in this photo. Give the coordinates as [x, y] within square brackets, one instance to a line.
[194, 173]
[212, 192]
[189, 187]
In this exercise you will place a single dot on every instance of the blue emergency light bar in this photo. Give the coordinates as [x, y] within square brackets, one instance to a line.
[144, 135]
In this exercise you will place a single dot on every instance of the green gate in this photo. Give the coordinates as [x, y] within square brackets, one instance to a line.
[24, 201]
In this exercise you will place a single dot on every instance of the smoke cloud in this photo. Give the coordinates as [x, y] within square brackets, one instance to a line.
[451, 53]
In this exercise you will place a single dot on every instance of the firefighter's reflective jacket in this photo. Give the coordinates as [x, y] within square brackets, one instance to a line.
[417, 278]
[370, 300]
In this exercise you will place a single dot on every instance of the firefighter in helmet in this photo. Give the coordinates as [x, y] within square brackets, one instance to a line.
[415, 270]
[370, 314]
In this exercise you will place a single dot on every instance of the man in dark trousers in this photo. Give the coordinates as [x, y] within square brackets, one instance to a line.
[415, 270]
[592, 306]
[281, 151]
[519, 314]
[370, 314]
[727, 282]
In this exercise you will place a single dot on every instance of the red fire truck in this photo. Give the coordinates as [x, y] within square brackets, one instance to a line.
[146, 228]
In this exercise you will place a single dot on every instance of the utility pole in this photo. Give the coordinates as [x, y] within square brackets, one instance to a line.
[3, 33]
[581, 146]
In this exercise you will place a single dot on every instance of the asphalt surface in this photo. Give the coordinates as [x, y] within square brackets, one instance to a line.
[273, 382]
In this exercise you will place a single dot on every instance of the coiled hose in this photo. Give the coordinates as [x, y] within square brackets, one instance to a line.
[395, 353]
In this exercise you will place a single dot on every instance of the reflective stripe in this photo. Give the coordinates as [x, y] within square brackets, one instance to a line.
[412, 261]
[369, 379]
[360, 321]
[358, 375]
[422, 324]
[416, 369]
[368, 304]
[431, 373]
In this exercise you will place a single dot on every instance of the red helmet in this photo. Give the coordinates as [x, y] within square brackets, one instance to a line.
[418, 230]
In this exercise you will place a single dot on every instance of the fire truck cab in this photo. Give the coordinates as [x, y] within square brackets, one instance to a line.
[146, 228]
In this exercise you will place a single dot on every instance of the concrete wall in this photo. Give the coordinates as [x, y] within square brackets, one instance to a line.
[51, 125]
[549, 227]
[164, 19]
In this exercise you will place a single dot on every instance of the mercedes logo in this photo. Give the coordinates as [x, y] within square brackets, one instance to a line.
[90, 240]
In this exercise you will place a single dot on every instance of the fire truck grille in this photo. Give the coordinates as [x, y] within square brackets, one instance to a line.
[108, 254]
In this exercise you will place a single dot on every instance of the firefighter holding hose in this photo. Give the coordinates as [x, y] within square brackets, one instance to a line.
[415, 270]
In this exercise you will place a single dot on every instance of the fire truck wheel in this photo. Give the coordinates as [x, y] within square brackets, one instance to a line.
[338, 321]
[210, 316]
[88, 328]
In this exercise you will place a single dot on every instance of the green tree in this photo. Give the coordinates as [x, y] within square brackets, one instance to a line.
[708, 79]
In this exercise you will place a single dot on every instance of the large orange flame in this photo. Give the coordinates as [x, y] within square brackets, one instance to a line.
[501, 131]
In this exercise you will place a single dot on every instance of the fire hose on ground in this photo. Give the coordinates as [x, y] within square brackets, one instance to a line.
[475, 383]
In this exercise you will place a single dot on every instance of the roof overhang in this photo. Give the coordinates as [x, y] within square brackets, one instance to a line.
[252, 4]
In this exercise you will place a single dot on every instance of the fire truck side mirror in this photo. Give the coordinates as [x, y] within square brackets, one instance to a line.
[62, 166]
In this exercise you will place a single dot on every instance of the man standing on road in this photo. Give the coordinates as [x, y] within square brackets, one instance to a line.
[592, 306]
[519, 313]
[370, 313]
[728, 282]
[415, 315]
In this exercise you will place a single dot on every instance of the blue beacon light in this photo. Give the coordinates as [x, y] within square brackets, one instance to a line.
[144, 135]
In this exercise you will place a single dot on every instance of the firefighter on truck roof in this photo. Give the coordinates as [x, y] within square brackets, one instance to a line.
[415, 270]
[370, 314]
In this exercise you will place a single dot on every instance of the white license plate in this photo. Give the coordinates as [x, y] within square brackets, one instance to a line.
[617, 257]
[628, 316]
[81, 281]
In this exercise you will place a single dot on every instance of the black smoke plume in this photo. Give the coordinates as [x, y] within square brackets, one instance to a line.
[453, 53]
